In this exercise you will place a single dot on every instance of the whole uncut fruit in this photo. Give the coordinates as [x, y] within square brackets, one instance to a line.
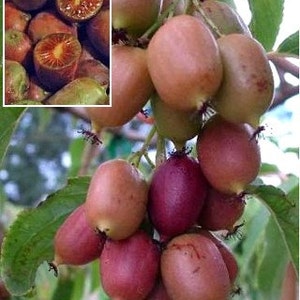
[135, 16]
[56, 58]
[192, 268]
[176, 195]
[16, 82]
[98, 31]
[29, 5]
[229, 155]
[117, 198]
[131, 88]
[183, 7]
[15, 18]
[158, 292]
[221, 211]
[247, 89]
[128, 268]
[184, 63]
[225, 18]
[175, 125]
[75, 242]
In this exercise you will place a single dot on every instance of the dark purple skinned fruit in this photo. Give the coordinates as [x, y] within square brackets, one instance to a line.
[229, 155]
[29, 5]
[184, 63]
[176, 195]
[192, 268]
[75, 242]
[129, 268]
[117, 198]
[247, 89]
[227, 255]
[221, 211]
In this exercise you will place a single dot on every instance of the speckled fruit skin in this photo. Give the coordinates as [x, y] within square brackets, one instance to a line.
[135, 16]
[131, 88]
[15, 18]
[247, 89]
[220, 211]
[75, 242]
[192, 268]
[117, 199]
[128, 268]
[176, 195]
[229, 155]
[184, 63]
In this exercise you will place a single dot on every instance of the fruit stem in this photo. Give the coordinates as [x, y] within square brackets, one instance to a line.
[206, 18]
[135, 158]
[160, 150]
[151, 30]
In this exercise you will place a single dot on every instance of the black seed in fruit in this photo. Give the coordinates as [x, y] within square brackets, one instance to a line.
[78, 10]
[176, 196]
[55, 59]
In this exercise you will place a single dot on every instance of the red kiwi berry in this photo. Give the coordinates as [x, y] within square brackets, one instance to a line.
[78, 10]
[75, 242]
[117, 199]
[221, 211]
[175, 125]
[228, 155]
[131, 88]
[184, 63]
[29, 5]
[129, 268]
[247, 89]
[192, 268]
[15, 18]
[176, 195]
[55, 59]
[18, 46]
[98, 31]
[159, 291]
[16, 82]
[39, 26]
[134, 16]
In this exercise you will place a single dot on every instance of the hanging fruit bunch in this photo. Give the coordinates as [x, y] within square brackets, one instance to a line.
[56, 52]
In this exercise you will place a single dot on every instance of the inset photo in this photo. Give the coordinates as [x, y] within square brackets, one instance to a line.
[56, 53]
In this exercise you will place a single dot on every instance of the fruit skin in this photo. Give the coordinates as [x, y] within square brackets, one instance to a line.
[55, 59]
[117, 190]
[192, 268]
[158, 292]
[15, 18]
[220, 211]
[18, 47]
[80, 91]
[16, 82]
[175, 125]
[98, 31]
[184, 63]
[183, 7]
[39, 26]
[29, 5]
[225, 18]
[135, 16]
[36, 92]
[229, 155]
[130, 88]
[75, 242]
[78, 11]
[247, 89]
[128, 268]
[176, 195]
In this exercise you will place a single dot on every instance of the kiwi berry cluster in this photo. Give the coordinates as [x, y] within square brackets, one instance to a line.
[206, 78]
[57, 52]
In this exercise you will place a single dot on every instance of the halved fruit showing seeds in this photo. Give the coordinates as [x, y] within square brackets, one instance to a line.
[55, 59]
[78, 10]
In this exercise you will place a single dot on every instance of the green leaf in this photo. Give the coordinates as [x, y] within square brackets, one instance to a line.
[290, 44]
[271, 269]
[9, 118]
[285, 214]
[266, 20]
[29, 240]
